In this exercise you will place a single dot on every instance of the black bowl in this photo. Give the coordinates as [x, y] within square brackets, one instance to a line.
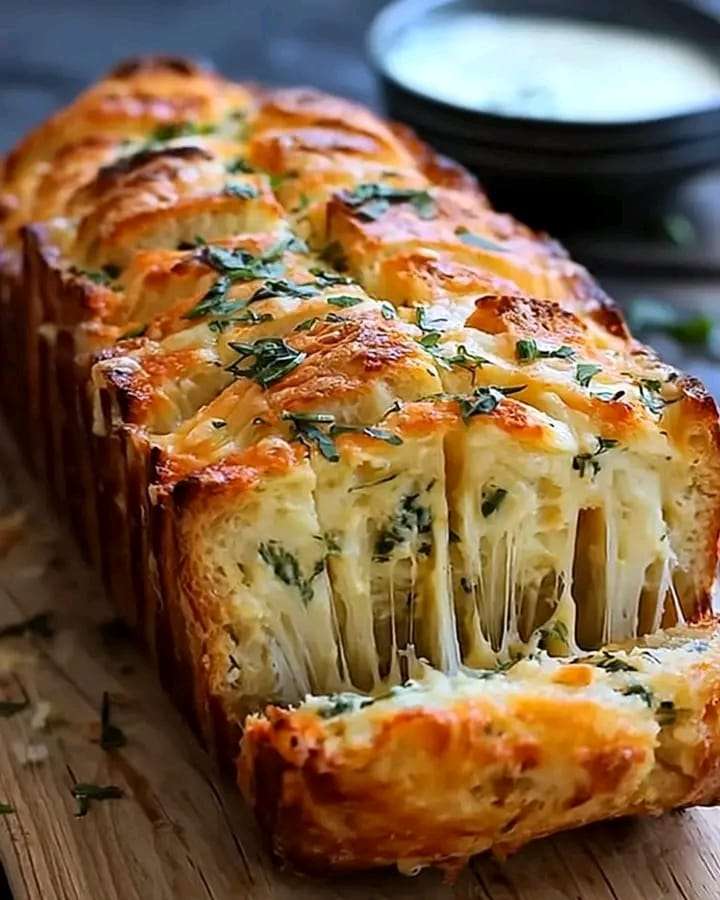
[543, 168]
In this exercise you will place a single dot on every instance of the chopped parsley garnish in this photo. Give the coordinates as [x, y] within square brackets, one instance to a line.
[371, 201]
[84, 793]
[380, 434]
[307, 324]
[344, 301]
[239, 165]
[651, 395]
[386, 479]
[305, 427]
[464, 359]
[584, 461]
[287, 569]
[410, 522]
[422, 322]
[387, 310]
[39, 624]
[6, 809]
[609, 396]
[280, 287]
[216, 301]
[485, 400]
[324, 279]
[111, 737]
[343, 703]
[320, 429]
[527, 350]
[241, 191]
[609, 662]
[241, 265]
[430, 340]
[173, 130]
[585, 372]
[492, 500]
[557, 631]
[638, 690]
[235, 265]
[245, 317]
[478, 240]
[272, 359]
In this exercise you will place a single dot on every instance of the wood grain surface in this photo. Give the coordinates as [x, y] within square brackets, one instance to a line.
[180, 830]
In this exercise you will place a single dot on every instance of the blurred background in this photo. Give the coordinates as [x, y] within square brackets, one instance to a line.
[658, 252]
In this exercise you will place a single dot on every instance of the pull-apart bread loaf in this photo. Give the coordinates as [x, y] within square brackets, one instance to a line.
[368, 460]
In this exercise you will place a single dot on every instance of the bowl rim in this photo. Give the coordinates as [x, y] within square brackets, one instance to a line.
[396, 12]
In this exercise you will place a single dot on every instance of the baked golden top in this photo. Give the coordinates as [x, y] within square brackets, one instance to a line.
[345, 355]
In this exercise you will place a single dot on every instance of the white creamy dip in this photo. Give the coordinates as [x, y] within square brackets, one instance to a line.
[556, 68]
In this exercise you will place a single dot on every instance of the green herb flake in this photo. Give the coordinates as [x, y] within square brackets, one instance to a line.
[485, 400]
[651, 395]
[324, 278]
[85, 793]
[639, 690]
[492, 499]
[588, 461]
[240, 265]
[386, 479]
[387, 310]
[609, 662]
[287, 569]
[6, 809]
[411, 520]
[527, 350]
[585, 372]
[424, 324]
[338, 704]
[555, 632]
[111, 736]
[265, 361]
[379, 434]
[371, 201]
[280, 287]
[241, 191]
[307, 324]
[344, 301]
[173, 130]
[464, 359]
[320, 429]
[306, 428]
[238, 166]
[478, 240]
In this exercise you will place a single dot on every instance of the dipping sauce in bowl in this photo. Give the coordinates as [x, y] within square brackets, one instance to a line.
[549, 67]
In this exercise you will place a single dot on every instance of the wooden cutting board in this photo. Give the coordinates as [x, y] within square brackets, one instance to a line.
[180, 832]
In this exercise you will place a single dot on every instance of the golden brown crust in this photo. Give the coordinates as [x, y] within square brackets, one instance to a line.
[435, 781]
